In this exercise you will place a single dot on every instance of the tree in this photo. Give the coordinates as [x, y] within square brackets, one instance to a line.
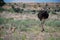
[46, 5]
[2, 3]
[57, 8]
[24, 5]
[35, 6]
[38, 4]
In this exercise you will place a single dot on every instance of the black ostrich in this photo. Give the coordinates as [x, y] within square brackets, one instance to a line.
[42, 15]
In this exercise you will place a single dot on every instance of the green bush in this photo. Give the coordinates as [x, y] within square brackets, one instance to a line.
[53, 12]
[51, 38]
[23, 25]
[2, 20]
[2, 9]
[10, 10]
[55, 23]
[24, 5]
[23, 37]
[21, 10]
[1, 39]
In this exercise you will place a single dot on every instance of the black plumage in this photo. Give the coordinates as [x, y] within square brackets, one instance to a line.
[43, 15]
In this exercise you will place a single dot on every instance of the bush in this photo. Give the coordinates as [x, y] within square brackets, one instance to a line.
[54, 23]
[23, 25]
[34, 11]
[10, 10]
[2, 9]
[53, 12]
[2, 20]
[1, 39]
[21, 10]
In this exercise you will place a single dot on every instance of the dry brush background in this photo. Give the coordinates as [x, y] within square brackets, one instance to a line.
[23, 24]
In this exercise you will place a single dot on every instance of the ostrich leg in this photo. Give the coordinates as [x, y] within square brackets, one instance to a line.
[42, 25]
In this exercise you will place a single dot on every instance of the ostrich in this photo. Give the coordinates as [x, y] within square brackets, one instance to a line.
[42, 15]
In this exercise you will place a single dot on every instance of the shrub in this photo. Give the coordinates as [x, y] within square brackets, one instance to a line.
[24, 5]
[10, 10]
[21, 10]
[34, 11]
[2, 20]
[1, 39]
[2, 9]
[54, 23]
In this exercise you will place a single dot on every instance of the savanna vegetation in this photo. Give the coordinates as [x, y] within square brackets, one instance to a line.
[24, 24]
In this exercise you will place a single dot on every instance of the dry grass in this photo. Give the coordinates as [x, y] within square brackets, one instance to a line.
[28, 27]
